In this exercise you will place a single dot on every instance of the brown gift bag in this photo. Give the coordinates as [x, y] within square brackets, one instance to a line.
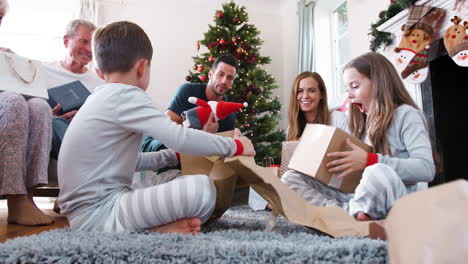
[330, 220]
[287, 151]
[224, 178]
[430, 226]
[310, 156]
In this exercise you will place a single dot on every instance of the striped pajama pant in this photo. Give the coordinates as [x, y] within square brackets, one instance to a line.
[379, 189]
[138, 209]
[184, 197]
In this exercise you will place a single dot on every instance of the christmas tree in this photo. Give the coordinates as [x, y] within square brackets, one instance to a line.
[231, 34]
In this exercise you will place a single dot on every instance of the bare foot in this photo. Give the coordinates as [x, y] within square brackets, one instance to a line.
[363, 217]
[23, 211]
[182, 226]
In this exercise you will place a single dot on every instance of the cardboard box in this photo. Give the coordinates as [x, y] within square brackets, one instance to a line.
[224, 178]
[310, 155]
[430, 226]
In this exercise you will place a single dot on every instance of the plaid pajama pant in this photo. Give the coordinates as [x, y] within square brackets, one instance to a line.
[379, 189]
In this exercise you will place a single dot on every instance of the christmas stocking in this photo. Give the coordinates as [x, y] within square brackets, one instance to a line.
[416, 70]
[456, 41]
[414, 45]
[198, 116]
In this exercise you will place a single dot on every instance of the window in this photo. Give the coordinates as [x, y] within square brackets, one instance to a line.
[35, 29]
[340, 47]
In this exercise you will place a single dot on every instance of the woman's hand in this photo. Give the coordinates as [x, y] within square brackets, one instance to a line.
[347, 162]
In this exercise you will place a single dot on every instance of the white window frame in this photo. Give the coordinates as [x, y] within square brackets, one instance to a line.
[338, 93]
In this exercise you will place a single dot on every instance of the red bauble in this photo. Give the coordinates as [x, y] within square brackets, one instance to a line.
[219, 15]
[203, 78]
[200, 68]
[188, 78]
[246, 125]
[211, 59]
[222, 41]
[235, 20]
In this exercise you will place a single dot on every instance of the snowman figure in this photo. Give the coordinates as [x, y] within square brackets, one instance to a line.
[402, 59]
[417, 76]
[461, 58]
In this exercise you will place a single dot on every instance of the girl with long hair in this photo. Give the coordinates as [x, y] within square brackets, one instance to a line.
[383, 114]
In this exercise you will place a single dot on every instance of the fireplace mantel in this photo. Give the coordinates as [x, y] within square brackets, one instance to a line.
[394, 24]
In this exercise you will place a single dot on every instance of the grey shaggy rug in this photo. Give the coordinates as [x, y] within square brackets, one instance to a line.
[238, 237]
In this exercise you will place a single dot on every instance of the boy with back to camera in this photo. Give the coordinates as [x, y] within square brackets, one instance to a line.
[99, 153]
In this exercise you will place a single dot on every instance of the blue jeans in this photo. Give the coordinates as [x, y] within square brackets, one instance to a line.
[149, 144]
[59, 127]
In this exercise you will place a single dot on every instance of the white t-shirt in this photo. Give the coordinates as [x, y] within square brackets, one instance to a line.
[57, 75]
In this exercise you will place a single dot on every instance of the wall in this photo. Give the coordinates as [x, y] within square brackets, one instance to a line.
[361, 14]
[289, 51]
[175, 26]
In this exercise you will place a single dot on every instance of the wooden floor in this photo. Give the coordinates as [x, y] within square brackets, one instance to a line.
[8, 231]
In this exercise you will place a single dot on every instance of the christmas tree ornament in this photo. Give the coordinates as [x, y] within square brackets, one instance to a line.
[195, 67]
[246, 125]
[200, 68]
[219, 15]
[197, 46]
[234, 39]
[235, 20]
[240, 50]
[456, 41]
[197, 117]
[222, 41]
[188, 78]
[211, 59]
[417, 35]
[202, 78]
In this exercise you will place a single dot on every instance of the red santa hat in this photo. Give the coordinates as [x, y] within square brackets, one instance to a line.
[198, 116]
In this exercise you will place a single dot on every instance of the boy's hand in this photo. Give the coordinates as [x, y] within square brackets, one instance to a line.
[68, 116]
[211, 125]
[248, 146]
[347, 162]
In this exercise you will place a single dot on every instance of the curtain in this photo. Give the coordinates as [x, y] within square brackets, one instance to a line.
[89, 11]
[306, 35]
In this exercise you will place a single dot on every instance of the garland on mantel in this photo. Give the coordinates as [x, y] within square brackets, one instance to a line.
[385, 39]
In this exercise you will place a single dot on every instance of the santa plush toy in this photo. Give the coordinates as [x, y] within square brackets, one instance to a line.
[198, 116]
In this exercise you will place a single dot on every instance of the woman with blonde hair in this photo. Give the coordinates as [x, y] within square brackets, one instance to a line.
[308, 105]
[383, 114]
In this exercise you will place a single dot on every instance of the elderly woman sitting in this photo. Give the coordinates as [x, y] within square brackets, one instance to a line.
[25, 140]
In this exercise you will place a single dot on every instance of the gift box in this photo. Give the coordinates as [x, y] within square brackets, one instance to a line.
[310, 155]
